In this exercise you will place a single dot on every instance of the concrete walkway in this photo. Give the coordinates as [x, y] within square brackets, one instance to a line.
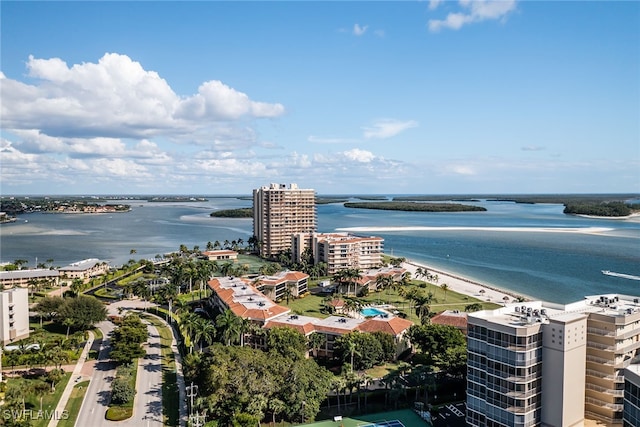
[64, 398]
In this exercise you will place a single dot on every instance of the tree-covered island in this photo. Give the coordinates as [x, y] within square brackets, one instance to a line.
[233, 213]
[415, 206]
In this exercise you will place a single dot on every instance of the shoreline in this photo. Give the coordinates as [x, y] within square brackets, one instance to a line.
[466, 286]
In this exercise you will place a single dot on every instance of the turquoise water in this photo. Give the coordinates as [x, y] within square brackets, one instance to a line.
[370, 311]
[533, 250]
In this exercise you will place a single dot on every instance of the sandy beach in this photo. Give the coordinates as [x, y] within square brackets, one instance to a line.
[462, 285]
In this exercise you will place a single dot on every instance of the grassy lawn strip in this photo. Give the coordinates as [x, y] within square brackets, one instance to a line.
[170, 395]
[124, 411]
[73, 405]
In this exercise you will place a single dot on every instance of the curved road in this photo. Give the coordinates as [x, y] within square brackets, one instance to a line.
[147, 410]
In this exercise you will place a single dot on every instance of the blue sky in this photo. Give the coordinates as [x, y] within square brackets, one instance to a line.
[440, 97]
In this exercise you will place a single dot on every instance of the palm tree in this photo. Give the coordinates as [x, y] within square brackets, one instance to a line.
[204, 332]
[288, 291]
[229, 325]
[40, 388]
[316, 340]
[444, 288]
[423, 306]
[188, 325]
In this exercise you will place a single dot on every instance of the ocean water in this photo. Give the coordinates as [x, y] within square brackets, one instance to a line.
[534, 250]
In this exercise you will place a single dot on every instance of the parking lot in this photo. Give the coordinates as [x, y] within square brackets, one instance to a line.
[452, 415]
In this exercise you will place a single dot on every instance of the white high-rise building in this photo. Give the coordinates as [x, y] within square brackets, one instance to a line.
[543, 364]
[278, 213]
[14, 315]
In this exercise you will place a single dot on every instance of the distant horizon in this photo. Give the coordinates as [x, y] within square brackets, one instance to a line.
[383, 97]
[222, 195]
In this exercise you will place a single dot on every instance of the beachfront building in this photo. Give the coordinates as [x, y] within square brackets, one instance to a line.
[279, 211]
[25, 278]
[338, 251]
[85, 269]
[538, 363]
[14, 315]
[223, 255]
[631, 414]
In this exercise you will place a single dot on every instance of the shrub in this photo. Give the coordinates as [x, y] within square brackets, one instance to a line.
[121, 391]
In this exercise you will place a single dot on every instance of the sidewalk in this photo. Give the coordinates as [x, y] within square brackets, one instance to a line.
[62, 403]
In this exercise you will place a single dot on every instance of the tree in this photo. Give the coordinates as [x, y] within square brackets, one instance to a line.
[287, 342]
[127, 338]
[435, 339]
[82, 312]
[316, 341]
[476, 306]
[204, 332]
[40, 388]
[121, 390]
[229, 325]
[76, 286]
[48, 307]
[444, 288]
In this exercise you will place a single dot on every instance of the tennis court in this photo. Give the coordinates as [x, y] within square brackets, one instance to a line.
[399, 418]
[393, 423]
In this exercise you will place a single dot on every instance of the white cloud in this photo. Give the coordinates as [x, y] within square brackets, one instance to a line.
[433, 4]
[359, 30]
[357, 155]
[473, 11]
[386, 128]
[117, 97]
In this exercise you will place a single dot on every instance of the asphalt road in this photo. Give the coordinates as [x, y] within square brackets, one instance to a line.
[148, 401]
[96, 400]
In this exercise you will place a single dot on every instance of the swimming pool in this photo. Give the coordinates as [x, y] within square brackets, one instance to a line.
[370, 312]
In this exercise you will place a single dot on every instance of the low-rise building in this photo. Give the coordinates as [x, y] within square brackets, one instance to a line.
[455, 318]
[23, 278]
[85, 269]
[14, 315]
[221, 255]
[278, 285]
[245, 300]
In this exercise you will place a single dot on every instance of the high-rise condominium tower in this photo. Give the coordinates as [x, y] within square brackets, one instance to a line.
[278, 213]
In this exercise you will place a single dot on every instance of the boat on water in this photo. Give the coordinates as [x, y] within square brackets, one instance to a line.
[624, 276]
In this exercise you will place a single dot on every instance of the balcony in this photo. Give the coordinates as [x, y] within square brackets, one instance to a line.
[612, 392]
[603, 404]
[601, 332]
[600, 360]
[600, 346]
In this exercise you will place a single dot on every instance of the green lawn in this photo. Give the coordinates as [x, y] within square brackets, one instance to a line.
[310, 304]
[73, 404]
[170, 400]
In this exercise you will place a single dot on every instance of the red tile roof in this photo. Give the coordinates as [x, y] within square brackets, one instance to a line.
[393, 325]
[459, 320]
